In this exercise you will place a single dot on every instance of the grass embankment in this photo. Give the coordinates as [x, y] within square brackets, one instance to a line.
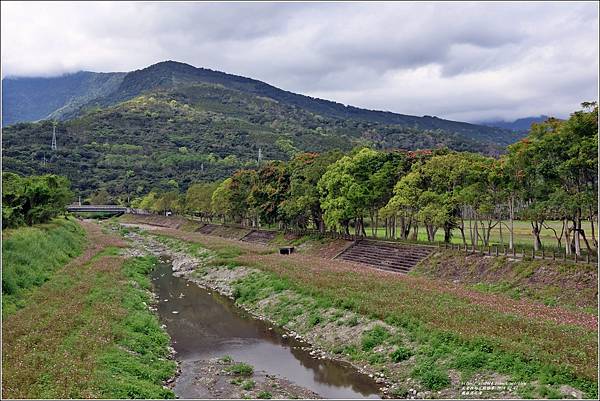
[553, 283]
[439, 331]
[87, 332]
[30, 255]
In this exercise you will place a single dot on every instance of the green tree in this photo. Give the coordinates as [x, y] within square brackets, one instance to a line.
[303, 205]
[221, 200]
[13, 200]
[269, 191]
[33, 199]
[198, 199]
[357, 185]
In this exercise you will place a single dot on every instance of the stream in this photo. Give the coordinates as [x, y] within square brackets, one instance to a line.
[204, 324]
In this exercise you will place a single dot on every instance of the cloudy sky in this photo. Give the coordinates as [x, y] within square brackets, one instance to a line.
[462, 61]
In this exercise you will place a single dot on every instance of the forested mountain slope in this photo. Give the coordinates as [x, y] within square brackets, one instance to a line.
[520, 125]
[194, 132]
[32, 99]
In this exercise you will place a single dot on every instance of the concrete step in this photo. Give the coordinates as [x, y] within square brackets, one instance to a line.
[379, 263]
[263, 237]
[206, 229]
[386, 256]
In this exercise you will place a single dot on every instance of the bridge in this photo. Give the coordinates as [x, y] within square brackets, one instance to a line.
[100, 208]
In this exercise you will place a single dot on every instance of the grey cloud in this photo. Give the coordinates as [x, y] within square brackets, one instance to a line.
[470, 61]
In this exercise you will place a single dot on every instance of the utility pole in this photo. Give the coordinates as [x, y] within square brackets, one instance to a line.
[44, 162]
[79, 200]
[54, 147]
[202, 167]
[259, 156]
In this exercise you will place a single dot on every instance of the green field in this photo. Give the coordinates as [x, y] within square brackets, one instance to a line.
[522, 235]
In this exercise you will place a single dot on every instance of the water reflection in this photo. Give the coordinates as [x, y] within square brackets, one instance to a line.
[209, 325]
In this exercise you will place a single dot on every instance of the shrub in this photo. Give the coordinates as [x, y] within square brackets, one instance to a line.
[241, 368]
[471, 361]
[374, 337]
[314, 319]
[401, 354]
[550, 393]
[431, 377]
[399, 392]
[248, 384]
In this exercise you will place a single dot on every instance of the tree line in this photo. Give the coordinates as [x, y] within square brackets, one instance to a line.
[549, 175]
[33, 199]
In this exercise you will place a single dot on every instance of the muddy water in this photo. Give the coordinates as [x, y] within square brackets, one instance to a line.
[209, 325]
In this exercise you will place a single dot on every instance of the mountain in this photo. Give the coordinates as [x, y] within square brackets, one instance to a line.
[32, 99]
[171, 124]
[170, 74]
[520, 125]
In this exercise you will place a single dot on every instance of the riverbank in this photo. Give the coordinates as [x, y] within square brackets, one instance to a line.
[87, 331]
[552, 283]
[224, 378]
[30, 255]
[426, 341]
[205, 325]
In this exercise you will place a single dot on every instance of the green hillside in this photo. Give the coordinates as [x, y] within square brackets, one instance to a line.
[199, 132]
[32, 99]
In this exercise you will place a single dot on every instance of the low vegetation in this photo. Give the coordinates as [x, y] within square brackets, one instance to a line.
[241, 368]
[30, 256]
[553, 283]
[87, 331]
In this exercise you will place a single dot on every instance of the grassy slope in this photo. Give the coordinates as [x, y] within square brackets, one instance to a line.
[87, 332]
[451, 332]
[552, 283]
[30, 255]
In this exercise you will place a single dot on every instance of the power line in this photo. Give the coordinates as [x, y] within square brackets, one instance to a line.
[54, 147]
